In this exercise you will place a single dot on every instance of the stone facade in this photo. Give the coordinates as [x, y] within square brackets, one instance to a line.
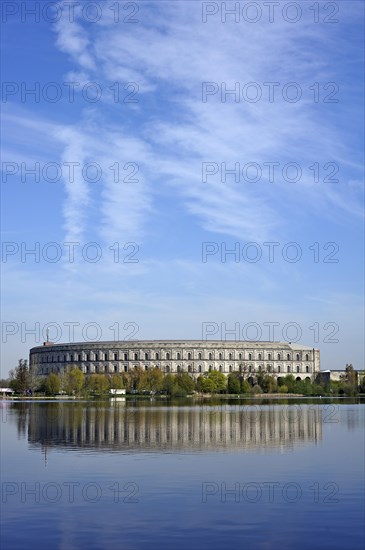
[172, 356]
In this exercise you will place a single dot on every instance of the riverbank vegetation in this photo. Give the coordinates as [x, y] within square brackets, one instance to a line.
[152, 381]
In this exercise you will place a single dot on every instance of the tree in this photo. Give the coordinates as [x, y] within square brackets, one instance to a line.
[185, 382]
[75, 381]
[219, 380]
[233, 383]
[53, 384]
[116, 382]
[245, 387]
[151, 380]
[19, 377]
[205, 384]
[98, 383]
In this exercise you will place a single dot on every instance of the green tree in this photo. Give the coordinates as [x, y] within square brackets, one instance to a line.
[245, 387]
[219, 381]
[233, 383]
[116, 382]
[75, 381]
[98, 383]
[53, 384]
[19, 377]
[185, 382]
[205, 385]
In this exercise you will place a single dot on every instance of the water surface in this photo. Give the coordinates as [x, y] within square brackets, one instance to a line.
[211, 475]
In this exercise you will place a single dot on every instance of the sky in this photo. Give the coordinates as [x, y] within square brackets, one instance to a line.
[183, 170]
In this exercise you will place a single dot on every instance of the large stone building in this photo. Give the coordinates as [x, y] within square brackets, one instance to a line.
[172, 356]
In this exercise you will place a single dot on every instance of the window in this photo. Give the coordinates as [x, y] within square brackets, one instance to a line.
[125, 368]
[260, 356]
[96, 357]
[105, 356]
[146, 367]
[79, 357]
[210, 356]
[178, 368]
[189, 355]
[240, 356]
[306, 368]
[288, 357]
[297, 356]
[210, 368]
[288, 368]
[230, 368]
[260, 368]
[279, 356]
[199, 355]
[157, 356]
[167, 355]
[220, 368]
[126, 357]
[279, 369]
[167, 368]
[190, 368]
[146, 356]
[221, 356]
[135, 356]
[268, 368]
[306, 357]
[269, 357]
[230, 356]
[250, 356]
[115, 368]
[298, 369]
[178, 355]
[199, 368]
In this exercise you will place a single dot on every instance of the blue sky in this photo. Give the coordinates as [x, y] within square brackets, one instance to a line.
[161, 142]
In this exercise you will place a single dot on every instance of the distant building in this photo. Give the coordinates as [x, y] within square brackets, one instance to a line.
[172, 356]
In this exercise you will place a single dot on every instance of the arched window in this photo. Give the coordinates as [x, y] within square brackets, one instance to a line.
[167, 355]
[268, 368]
[279, 368]
[210, 368]
[288, 357]
[269, 357]
[230, 356]
[221, 356]
[178, 368]
[125, 368]
[200, 368]
[220, 368]
[189, 355]
[250, 356]
[240, 356]
[306, 368]
[199, 355]
[178, 355]
[279, 356]
[190, 368]
[288, 368]
[115, 368]
[210, 356]
[146, 367]
[230, 368]
[135, 356]
[298, 369]
[260, 356]
[146, 356]
[157, 355]
[126, 357]
[306, 357]
[297, 356]
[167, 368]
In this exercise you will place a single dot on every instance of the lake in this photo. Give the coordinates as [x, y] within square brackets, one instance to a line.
[183, 474]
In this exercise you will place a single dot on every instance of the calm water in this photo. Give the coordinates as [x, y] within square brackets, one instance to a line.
[152, 475]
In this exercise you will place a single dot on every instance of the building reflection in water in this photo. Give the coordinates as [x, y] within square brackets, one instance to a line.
[117, 426]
